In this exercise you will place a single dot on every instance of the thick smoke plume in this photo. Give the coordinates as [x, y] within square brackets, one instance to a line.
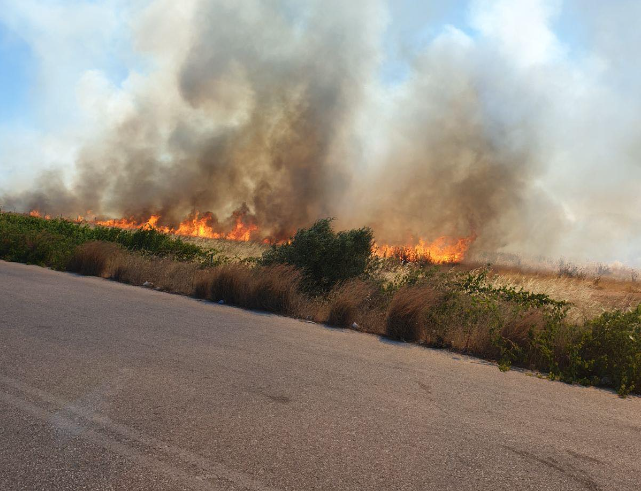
[276, 110]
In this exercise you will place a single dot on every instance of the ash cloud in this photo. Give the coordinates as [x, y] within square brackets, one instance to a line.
[276, 109]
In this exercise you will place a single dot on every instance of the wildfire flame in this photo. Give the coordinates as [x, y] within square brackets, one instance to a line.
[36, 213]
[444, 250]
[196, 225]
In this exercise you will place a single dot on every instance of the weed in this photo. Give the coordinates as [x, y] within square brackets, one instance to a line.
[357, 301]
[569, 270]
[92, 258]
[410, 315]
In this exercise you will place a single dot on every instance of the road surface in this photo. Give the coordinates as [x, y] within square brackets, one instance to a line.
[108, 386]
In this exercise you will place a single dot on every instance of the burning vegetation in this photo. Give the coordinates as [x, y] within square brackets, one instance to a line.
[204, 225]
[444, 250]
[241, 226]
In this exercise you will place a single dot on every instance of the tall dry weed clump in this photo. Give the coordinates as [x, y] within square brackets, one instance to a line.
[357, 302]
[277, 289]
[94, 258]
[270, 288]
[160, 272]
[411, 315]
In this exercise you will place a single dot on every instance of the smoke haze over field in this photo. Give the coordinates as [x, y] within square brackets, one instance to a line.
[520, 125]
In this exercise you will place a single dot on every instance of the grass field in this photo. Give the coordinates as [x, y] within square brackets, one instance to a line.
[573, 324]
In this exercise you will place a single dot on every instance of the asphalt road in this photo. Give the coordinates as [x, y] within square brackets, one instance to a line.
[108, 386]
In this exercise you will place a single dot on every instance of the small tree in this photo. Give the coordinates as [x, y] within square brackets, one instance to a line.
[325, 257]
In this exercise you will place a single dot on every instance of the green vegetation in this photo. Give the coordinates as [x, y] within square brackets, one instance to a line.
[324, 256]
[462, 311]
[608, 352]
[332, 278]
[51, 242]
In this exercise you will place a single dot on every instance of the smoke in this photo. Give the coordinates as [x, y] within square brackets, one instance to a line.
[277, 110]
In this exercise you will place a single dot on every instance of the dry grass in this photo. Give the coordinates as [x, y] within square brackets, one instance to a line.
[594, 290]
[356, 301]
[162, 273]
[232, 249]
[600, 289]
[424, 314]
[277, 289]
[588, 297]
[272, 288]
[591, 289]
[94, 258]
[408, 315]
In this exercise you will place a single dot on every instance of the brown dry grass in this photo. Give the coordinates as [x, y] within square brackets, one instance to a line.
[589, 297]
[424, 314]
[232, 249]
[408, 314]
[356, 301]
[272, 288]
[93, 258]
[162, 273]
[594, 289]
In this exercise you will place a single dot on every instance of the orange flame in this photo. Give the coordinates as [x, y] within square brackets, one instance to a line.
[193, 226]
[241, 231]
[37, 214]
[444, 250]
[198, 227]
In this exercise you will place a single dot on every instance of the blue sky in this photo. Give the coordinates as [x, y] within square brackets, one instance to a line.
[18, 72]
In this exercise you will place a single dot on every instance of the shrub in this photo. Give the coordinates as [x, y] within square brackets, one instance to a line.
[50, 242]
[325, 257]
[34, 246]
[609, 352]
[152, 241]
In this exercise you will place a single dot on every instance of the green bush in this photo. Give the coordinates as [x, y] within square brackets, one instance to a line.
[609, 352]
[324, 256]
[51, 242]
[39, 247]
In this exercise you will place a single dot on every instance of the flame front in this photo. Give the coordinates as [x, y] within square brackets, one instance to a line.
[444, 250]
[196, 225]
[37, 214]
